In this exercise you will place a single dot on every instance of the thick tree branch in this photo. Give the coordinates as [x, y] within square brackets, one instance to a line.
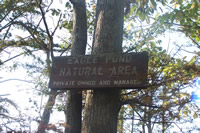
[136, 101]
[3, 62]
[10, 22]
[6, 33]
[30, 30]
[4, 17]
[47, 29]
[47, 111]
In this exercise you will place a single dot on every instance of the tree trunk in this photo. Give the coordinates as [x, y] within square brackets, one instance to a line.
[149, 120]
[102, 106]
[163, 121]
[143, 123]
[47, 111]
[121, 120]
[73, 111]
[133, 117]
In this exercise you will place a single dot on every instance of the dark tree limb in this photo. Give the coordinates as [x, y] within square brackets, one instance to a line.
[47, 111]
[136, 101]
[47, 29]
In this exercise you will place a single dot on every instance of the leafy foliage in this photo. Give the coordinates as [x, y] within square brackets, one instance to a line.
[165, 101]
[184, 17]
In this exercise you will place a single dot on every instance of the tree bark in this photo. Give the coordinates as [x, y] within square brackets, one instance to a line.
[73, 110]
[102, 106]
[109, 27]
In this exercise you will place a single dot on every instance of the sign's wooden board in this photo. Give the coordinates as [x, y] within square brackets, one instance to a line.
[124, 71]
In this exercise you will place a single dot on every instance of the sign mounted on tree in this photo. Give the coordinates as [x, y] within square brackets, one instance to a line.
[124, 71]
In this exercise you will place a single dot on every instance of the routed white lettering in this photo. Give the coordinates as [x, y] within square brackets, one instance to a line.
[69, 61]
[82, 60]
[126, 82]
[65, 72]
[81, 71]
[119, 58]
[104, 82]
[58, 83]
[69, 83]
[90, 83]
[62, 72]
[122, 71]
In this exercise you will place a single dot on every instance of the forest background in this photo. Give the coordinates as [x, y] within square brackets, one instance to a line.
[33, 32]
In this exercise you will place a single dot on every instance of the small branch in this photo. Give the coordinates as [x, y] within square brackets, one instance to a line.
[131, 101]
[47, 29]
[4, 95]
[89, 45]
[45, 23]
[185, 50]
[16, 80]
[5, 16]
[198, 45]
[141, 117]
[65, 50]
[41, 18]
[57, 25]
[1, 63]
[133, 91]
[47, 111]
[29, 30]
[6, 33]
[10, 22]
[4, 125]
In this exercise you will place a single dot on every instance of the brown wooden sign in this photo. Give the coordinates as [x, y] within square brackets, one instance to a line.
[125, 71]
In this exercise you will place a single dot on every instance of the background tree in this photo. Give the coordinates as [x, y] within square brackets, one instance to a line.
[22, 15]
[165, 101]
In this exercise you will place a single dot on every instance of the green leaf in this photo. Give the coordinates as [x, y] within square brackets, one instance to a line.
[68, 5]
[197, 39]
[172, 17]
[147, 19]
[142, 16]
[195, 9]
[192, 61]
[153, 4]
[195, 115]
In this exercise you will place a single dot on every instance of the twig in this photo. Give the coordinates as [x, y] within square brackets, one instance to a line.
[131, 101]
[4, 95]
[65, 50]
[16, 80]
[28, 29]
[6, 33]
[1, 63]
[57, 25]
[198, 45]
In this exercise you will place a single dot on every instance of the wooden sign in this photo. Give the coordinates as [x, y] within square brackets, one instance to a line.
[125, 71]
